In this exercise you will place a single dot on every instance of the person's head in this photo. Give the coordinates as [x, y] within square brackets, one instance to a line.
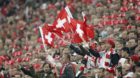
[103, 46]
[124, 34]
[46, 67]
[126, 68]
[119, 44]
[124, 52]
[109, 43]
[132, 42]
[132, 35]
[109, 30]
[66, 50]
[66, 58]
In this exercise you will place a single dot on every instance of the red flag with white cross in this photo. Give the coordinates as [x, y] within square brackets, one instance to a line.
[79, 34]
[48, 36]
[62, 21]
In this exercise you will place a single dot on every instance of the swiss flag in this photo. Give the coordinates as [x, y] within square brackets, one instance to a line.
[88, 29]
[62, 21]
[76, 38]
[51, 28]
[79, 29]
[49, 38]
[90, 32]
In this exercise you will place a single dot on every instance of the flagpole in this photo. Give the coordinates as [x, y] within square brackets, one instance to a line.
[68, 11]
[42, 37]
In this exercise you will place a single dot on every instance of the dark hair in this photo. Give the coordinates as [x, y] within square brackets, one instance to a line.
[48, 64]
[68, 56]
[126, 49]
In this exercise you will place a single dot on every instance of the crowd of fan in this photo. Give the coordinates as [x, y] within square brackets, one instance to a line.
[116, 25]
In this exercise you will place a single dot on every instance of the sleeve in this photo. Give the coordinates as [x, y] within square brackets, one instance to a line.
[94, 53]
[114, 59]
[84, 51]
[29, 72]
[77, 50]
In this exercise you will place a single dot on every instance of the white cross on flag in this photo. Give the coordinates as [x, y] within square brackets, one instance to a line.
[48, 36]
[79, 34]
[79, 30]
[62, 21]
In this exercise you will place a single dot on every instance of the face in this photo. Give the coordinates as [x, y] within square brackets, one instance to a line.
[64, 58]
[66, 50]
[108, 46]
[132, 42]
[124, 54]
[103, 46]
[46, 67]
[132, 35]
[125, 68]
[124, 34]
[118, 45]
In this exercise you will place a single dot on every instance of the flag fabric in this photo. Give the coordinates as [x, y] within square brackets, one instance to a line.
[79, 28]
[89, 30]
[52, 28]
[62, 21]
[64, 24]
[48, 36]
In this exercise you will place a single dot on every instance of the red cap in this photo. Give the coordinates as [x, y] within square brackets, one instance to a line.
[82, 68]
[135, 58]
[99, 4]
[111, 42]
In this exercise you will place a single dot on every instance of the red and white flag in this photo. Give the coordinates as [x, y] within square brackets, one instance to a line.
[62, 21]
[89, 29]
[79, 34]
[48, 36]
